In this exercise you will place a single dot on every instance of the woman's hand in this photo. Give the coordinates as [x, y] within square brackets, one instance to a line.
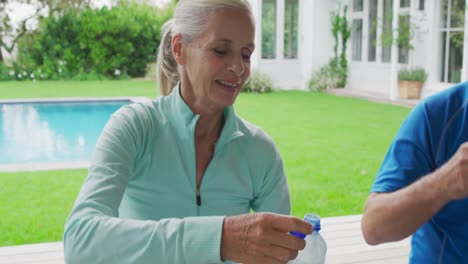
[262, 238]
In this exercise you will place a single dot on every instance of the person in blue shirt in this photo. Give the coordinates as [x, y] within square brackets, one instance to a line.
[174, 180]
[421, 188]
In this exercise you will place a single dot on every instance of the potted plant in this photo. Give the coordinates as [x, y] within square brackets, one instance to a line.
[410, 82]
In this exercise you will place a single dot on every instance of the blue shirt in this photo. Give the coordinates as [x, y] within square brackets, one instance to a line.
[428, 138]
[138, 203]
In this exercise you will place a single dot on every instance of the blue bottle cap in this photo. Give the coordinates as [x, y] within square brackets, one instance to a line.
[298, 234]
[313, 220]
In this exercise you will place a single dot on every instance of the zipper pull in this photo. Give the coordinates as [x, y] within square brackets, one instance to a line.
[198, 197]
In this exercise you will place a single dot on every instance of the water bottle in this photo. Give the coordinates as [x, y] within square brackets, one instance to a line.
[316, 248]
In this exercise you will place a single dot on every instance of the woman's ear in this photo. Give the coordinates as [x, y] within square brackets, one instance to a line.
[178, 49]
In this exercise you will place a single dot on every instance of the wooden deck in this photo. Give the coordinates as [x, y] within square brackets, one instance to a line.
[342, 234]
[346, 244]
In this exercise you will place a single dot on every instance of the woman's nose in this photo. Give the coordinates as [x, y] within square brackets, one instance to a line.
[237, 65]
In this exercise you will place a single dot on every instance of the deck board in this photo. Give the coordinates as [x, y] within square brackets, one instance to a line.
[342, 234]
[346, 244]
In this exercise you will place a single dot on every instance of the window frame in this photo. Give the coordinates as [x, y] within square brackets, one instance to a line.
[272, 54]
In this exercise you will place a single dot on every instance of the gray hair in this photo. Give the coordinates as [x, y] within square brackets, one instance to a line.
[189, 20]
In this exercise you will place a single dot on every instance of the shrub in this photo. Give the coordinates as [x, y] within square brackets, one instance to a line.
[123, 38]
[22, 72]
[415, 74]
[105, 43]
[54, 47]
[6, 73]
[258, 83]
[330, 75]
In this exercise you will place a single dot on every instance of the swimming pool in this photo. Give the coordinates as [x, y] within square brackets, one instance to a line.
[52, 131]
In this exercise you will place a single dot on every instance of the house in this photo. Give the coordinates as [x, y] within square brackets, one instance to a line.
[295, 39]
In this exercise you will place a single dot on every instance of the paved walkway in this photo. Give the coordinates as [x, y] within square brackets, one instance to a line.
[374, 97]
[342, 234]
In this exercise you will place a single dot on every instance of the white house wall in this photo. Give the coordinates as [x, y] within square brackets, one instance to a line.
[315, 44]
[257, 11]
[426, 48]
[375, 77]
[285, 74]
[315, 37]
[427, 51]
[370, 77]
[315, 48]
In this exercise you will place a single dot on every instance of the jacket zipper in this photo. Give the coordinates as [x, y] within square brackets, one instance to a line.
[198, 200]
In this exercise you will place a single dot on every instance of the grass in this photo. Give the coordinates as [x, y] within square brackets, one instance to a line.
[55, 89]
[331, 146]
[34, 205]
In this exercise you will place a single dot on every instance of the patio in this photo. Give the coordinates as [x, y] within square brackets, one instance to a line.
[343, 236]
[373, 97]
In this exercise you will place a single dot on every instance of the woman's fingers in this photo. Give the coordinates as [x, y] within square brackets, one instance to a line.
[287, 241]
[260, 237]
[291, 223]
[281, 254]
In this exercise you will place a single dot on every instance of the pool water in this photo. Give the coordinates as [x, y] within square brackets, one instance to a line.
[52, 131]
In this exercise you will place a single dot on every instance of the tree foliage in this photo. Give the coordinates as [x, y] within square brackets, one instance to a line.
[13, 29]
[107, 42]
[9, 32]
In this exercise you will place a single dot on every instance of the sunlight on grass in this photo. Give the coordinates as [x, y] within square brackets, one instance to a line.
[34, 205]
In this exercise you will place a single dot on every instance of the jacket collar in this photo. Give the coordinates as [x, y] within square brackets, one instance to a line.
[184, 120]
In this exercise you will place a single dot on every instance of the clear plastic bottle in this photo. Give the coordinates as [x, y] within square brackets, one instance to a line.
[316, 248]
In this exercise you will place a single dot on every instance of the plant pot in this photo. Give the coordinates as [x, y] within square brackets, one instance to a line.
[409, 89]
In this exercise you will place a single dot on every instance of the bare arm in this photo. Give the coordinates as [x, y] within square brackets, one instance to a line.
[394, 216]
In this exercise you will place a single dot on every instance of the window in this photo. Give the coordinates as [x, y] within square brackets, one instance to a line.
[357, 5]
[452, 30]
[381, 43]
[405, 3]
[268, 29]
[404, 36]
[290, 29]
[387, 30]
[421, 4]
[372, 29]
[356, 35]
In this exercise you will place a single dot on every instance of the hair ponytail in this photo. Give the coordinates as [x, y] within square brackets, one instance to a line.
[166, 67]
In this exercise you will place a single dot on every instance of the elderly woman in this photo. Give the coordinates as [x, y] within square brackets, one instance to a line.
[174, 180]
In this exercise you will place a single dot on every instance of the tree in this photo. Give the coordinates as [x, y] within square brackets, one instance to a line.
[11, 32]
[108, 42]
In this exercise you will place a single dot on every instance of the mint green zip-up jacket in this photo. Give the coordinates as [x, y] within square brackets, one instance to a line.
[138, 203]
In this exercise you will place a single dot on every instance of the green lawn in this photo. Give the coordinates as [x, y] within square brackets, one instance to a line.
[49, 89]
[34, 205]
[332, 147]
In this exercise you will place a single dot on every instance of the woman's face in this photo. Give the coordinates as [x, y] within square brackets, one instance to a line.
[217, 63]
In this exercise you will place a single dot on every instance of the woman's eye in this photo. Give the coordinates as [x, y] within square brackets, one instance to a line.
[246, 56]
[220, 51]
